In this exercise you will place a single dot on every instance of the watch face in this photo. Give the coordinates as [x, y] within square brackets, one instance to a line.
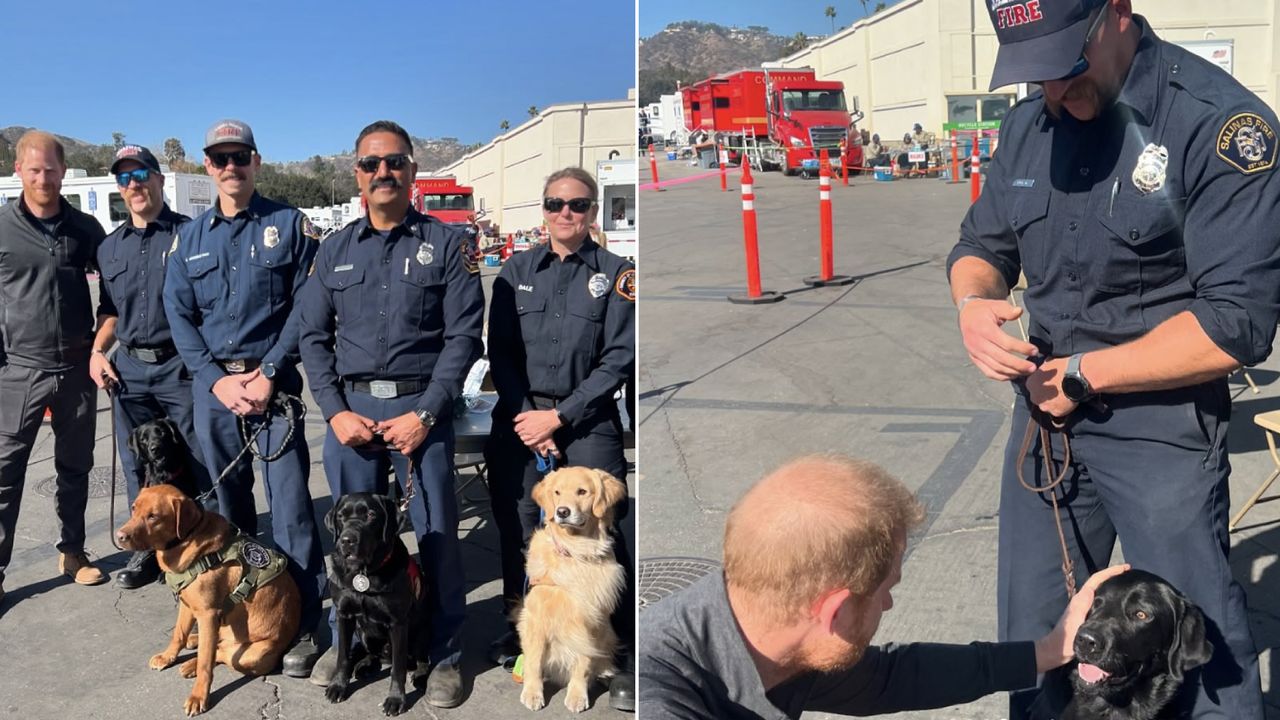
[1074, 388]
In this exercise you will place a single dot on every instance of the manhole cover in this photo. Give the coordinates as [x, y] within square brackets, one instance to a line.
[659, 577]
[99, 484]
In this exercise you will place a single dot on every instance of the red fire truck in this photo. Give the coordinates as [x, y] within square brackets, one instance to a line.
[443, 198]
[782, 117]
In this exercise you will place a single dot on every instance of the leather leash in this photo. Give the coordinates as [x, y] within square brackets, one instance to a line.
[1046, 431]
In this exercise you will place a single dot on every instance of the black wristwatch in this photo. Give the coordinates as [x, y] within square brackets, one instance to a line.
[1074, 384]
[427, 418]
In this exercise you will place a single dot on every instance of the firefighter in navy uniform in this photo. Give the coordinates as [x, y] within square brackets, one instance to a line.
[233, 276]
[561, 343]
[1137, 190]
[146, 372]
[391, 323]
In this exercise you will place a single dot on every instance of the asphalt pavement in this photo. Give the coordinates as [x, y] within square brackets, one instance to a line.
[874, 369]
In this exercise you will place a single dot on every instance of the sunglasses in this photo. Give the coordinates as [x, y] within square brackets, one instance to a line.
[577, 205]
[1082, 65]
[141, 175]
[239, 158]
[396, 161]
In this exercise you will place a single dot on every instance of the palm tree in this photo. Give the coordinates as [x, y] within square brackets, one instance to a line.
[533, 111]
[831, 13]
[864, 8]
[504, 126]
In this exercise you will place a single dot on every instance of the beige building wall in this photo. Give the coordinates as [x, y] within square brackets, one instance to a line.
[509, 172]
[902, 63]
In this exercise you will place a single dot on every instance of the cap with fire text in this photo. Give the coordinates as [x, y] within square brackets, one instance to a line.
[1039, 39]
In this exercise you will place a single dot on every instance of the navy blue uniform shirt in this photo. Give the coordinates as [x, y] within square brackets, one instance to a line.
[401, 305]
[231, 285]
[131, 285]
[1112, 243]
[562, 328]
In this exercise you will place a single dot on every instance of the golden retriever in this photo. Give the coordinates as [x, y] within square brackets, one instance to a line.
[574, 585]
[253, 635]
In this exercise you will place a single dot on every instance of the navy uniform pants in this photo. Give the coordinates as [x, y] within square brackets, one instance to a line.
[73, 398]
[284, 482]
[149, 391]
[1152, 472]
[513, 471]
[433, 510]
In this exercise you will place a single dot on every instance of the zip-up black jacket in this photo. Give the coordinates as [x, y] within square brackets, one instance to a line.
[46, 314]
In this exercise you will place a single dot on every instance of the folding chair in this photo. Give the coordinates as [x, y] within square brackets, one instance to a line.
[1270, 424]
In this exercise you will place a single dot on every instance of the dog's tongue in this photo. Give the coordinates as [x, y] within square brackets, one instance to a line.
[1091, 673]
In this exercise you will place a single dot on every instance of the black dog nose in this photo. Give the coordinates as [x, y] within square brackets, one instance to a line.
[347, 540]
[1086, 642]
[562, 512]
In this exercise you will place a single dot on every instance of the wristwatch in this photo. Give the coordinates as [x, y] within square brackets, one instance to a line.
[269, 371]
[427, 418]
[1074, 384]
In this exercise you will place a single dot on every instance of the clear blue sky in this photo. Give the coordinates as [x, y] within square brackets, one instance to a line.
[306, 75]
[782, 17]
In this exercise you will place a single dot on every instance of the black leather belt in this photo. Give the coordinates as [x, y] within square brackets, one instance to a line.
[239, 366]
[151, 355]
[386, 389]
[545, 402]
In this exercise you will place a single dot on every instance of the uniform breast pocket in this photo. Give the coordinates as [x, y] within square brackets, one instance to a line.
[347, 288]
[588, 319]
[269, 272]
[1028, 217]
[532, 312]
[113, 276]
[1142, 244]
[206, 282]
[422, 291]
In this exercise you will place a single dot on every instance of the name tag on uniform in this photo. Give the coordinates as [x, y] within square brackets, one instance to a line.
[343, 268]
[197, 257]
[525, 288]
[1024, 182]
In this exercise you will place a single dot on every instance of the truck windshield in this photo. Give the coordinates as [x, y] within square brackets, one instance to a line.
[812, 100]
[446, 202]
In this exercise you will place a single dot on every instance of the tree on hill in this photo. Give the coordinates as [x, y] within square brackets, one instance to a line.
[797, 43]
[663, 81]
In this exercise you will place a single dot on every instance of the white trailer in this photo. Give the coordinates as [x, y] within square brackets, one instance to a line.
[100, 197]
[617, 216]
[666, 120]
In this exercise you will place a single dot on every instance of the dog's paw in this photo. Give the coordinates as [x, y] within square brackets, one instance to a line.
[188, 669]
[193, 642]
[532, 697]
[576, 700]
[393, 705]
[336, 692]
[160, 661]
[195, 705]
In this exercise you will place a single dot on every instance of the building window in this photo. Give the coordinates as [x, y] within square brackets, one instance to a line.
[73, 200]
[119, 211]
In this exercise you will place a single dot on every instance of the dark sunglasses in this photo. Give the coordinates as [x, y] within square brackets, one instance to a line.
[1082, 65]
[239, 158]
[577, 205]
[141, 175]
[396, 161]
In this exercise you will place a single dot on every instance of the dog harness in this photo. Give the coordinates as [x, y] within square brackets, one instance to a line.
[258, 564]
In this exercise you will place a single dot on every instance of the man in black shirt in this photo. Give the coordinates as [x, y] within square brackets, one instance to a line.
[46, 247]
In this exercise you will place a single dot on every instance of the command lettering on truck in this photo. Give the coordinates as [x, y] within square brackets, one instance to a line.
[445, 199]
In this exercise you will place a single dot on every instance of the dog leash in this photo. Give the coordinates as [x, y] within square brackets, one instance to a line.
[292, 408]
[1037, 422]
[111, 517]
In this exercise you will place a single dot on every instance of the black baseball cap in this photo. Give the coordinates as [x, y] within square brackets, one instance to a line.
[138, 154]
[1039, 39]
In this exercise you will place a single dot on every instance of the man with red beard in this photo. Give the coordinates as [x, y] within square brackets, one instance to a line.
[1136, 191]
[811, 555]
[46, 246]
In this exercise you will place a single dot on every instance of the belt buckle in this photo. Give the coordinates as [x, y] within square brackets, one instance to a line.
[235, 366]
[383, 389]
[146, 355]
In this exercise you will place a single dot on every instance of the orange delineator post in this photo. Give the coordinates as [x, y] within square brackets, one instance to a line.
[723, 159]
[844, 166]
[755, 295]
[975, 172]
[955, 158]
[653, 167]
[828, 276]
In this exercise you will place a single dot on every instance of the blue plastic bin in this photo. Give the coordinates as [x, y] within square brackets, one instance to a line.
[884, 174]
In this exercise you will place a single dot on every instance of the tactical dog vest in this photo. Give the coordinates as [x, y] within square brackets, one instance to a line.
[258, 564]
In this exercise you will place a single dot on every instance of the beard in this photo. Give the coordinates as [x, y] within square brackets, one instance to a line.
[836, 654]
[1084, 91]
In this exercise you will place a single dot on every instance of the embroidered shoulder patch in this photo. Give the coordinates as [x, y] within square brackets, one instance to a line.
[470, 256]
[1248, 143]
[626, 285]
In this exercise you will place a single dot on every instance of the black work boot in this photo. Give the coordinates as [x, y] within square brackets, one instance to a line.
[301, 657]
[141, 571]
[504, 651]
[622, 687]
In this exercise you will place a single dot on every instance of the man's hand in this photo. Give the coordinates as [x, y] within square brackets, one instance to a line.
[535, 427]
[352, 429]
[101, 372]
[546, 447]
[991, 349]
[232, 393]
[258, 390]
[1058, 647]
[404, 433]
[1045, 387]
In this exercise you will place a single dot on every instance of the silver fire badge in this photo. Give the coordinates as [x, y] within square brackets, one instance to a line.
[271, 236]
[426, 253]
[598, 285]
[360, 583]
[1149, 172]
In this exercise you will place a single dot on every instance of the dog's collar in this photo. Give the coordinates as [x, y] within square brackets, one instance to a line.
[559, 548]
[178, 539]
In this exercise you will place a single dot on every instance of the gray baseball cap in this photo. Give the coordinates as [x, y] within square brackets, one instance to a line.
[229, 131]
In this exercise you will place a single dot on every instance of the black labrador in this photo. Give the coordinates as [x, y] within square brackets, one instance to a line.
[377, 588]
[162, 454]
[1132, 653]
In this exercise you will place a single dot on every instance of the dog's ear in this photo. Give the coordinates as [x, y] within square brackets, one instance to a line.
[331, 518]
[390, 518]
[132, 442]
[539, 493]
[609, 492]
[1191, 647]
[185, 515]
